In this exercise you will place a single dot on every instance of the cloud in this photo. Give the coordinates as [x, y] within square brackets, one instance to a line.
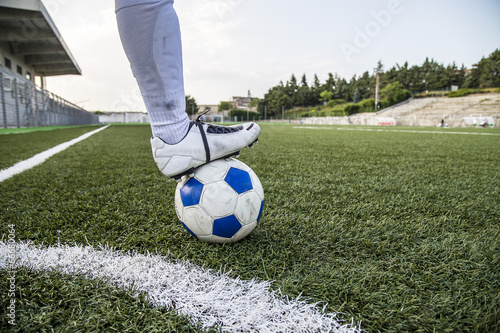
[92, 36]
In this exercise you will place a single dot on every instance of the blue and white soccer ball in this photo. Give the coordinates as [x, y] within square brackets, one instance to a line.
[222, 203]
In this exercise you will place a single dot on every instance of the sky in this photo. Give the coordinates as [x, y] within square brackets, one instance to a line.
[231, 47]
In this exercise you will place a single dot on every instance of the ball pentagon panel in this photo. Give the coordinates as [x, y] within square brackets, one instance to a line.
[191, 192]
[226, 227]
[239, 180]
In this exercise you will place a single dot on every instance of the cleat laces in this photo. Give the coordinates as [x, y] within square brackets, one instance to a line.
[215, 129]
[212, 129]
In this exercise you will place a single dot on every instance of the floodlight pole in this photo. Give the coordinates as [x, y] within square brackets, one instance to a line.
[377, 84]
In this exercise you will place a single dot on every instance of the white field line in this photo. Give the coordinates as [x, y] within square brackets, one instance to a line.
[400, 131]
[207, 297]
[41, 157]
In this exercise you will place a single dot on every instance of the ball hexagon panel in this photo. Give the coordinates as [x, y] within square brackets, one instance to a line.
[248, 207]
[179, 207]
[191, 192]
[215, 239]
[244, 231]
[257, 186]
[189, 230]
[226, 227]
[212, 172]
[218, 199]
[239, 180]
[238, 164]
[200, 223]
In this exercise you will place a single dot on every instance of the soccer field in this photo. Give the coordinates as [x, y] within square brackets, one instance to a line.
[394, 228]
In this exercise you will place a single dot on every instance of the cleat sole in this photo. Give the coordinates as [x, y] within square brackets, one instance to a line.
[253, 143]
[178, 177]
[235, 154]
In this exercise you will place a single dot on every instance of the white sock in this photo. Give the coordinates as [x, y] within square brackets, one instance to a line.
[151, 38]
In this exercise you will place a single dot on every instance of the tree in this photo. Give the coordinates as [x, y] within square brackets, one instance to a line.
[191, 106]
[395, 84]
[380, 67]
[341, 90]
[255, 102]
[393, 93]
[357, 96]
[316, 90]
[303, 97]
[330, 83]
[365, 86]
[490, 74]
[291, 87]
[325, 96]
[303, 82]
[274, 100]
[224, 106]
[486, 73]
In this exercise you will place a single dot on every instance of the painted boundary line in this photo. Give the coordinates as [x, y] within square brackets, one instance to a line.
[398, 131]
[212, 299]
[43, 156]
[409, 131]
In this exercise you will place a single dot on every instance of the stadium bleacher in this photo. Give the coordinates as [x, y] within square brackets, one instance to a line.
[472, 110]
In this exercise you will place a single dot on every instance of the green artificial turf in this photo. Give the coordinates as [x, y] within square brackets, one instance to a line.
[398, 230]
[16, 146]
[50, 302]
[19, 130]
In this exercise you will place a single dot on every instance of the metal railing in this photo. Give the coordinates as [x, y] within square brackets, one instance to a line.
[24, 104]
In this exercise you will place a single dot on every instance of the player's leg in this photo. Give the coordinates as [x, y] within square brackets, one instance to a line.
[150, 35]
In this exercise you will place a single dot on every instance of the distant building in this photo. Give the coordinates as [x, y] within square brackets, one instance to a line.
[32, 47]
[215, 115]
[242, 102]
[123, 117]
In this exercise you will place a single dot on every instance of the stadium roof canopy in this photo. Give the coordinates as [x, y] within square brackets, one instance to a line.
[27, 27]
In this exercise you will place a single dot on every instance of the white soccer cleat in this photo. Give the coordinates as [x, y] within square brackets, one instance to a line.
[203, 143]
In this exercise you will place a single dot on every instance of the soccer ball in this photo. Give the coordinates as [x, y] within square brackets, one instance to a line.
[222, 203]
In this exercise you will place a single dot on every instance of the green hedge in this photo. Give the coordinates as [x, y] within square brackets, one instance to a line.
[335, 102]
[462, 92]
[347, 109]
[243, 115]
